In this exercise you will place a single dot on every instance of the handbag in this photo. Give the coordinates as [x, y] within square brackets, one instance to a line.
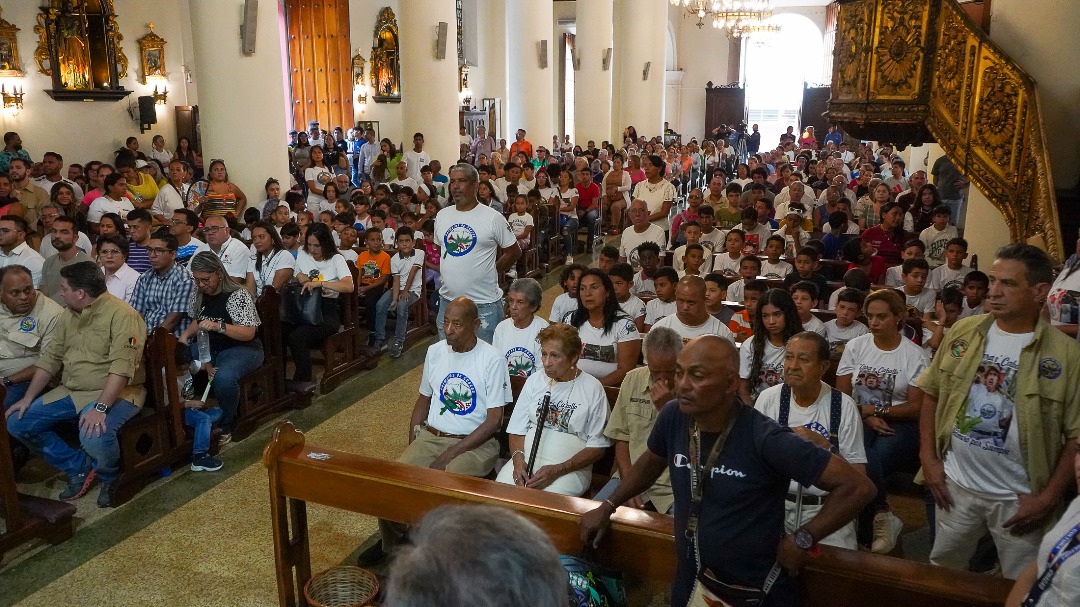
[303, 307]
[593, 585]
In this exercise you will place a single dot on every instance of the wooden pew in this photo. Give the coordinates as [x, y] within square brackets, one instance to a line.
[26, 517]
[555, 254]
[341, 352]
[639, 543]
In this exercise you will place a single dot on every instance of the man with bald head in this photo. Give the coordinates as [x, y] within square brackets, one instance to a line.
[691, 319]
[232, 252]
[730, 467]
[463, 391]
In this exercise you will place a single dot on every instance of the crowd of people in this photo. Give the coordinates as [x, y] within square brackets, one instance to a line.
[820, 274]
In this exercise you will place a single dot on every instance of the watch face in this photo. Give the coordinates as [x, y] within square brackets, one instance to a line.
[100, 407]
[803, 539]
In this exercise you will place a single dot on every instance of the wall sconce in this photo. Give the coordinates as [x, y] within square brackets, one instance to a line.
[14, 99]
[362, 97]
[162, 97]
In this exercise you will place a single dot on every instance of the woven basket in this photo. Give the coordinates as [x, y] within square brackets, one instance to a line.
[341, 587]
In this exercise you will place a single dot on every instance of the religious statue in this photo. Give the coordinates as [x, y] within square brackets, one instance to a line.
[72, 50]
[385, 68]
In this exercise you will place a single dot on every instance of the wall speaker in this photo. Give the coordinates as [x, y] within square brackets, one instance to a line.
[645, 72]
[147, 112]
[575, 59]
[606, 63]
[249, 27]
[440, 40]
[541, 54]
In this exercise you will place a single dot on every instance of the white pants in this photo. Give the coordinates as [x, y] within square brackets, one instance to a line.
[843, 537]
[958, 532]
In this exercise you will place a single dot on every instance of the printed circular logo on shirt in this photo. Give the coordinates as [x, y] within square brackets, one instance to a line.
[459, 239]
[520, 361]
[1049, 368]
[457, 395]
[958, 348]
[27, 324]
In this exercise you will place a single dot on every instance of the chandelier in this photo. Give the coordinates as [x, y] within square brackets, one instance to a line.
[738, 17]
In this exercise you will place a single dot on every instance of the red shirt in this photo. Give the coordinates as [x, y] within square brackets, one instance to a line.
[888, 246]
[588, 194]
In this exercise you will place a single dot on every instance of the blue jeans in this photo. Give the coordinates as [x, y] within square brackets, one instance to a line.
[15, 392]
[202, 420]
[569, 233]
[35, 430]
[230, 366]
[382, 310]
[491, 314]
[957, 207]
[888, 454]
[591, 219]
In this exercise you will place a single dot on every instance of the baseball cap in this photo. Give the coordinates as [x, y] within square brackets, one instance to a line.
[139, 164]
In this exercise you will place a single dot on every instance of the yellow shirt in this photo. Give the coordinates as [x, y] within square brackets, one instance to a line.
[24, 336]
[144, 192]
[632, 421]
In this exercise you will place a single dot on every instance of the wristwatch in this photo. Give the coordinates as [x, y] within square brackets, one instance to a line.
[804, 539]
[101, 407]
[4, 380]
[221, 326]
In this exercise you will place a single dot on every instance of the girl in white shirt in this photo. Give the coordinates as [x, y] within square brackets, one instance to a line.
[761, 358]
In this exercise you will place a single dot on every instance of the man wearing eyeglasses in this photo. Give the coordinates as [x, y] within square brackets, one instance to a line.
[163, 294]
[183, 225]
[50, 213]
[233, 254]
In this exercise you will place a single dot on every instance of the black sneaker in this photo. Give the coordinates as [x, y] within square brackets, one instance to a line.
[104, 498]
[397, 348]
[372, 556]
[78, 485]
[203, 462]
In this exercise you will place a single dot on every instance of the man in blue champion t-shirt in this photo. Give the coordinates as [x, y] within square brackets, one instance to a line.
[741, 513]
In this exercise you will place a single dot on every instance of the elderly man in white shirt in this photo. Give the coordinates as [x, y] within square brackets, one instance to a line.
[15, 250]
[232, 252]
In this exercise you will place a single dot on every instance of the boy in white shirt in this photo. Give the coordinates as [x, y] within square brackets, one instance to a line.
[693, 260]
[405, 267]
[664, 304]
[916, 295]
[952, 273]
[937, 236]
[649, 258]
[692, 231]
[566, 302]
[976, 285]
[805, 295]
[749, 269]
[622, 276]
[913, 249]
[845, 327]
[726, 262]
[773, 267]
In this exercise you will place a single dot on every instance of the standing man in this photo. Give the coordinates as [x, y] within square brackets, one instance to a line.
[163, 295]
[13, 246]
[478, 247]
[521, 145]
[729, 511]
[834, 136]
[1000, 419]
[753, 142]
[232, 252]
[483, 144]
[417, 157]
[13, 148]
[952, 187]
[98, 344]
[63, 241]
[367, 155]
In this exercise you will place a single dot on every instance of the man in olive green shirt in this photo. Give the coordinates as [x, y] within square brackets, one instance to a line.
[99, 346]
[999, 419]
[27, 321]
[642, 394]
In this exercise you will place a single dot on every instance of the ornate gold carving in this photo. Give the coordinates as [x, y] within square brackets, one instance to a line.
[152, 56]
[10, 64]
[852, 58]
[996, 110]
[41, 53]
[898, 52]
[385, 59]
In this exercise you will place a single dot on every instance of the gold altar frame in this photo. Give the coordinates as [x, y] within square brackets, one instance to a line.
[152, 56]
[10, 63]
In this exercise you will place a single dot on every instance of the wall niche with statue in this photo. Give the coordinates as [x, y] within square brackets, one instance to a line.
[79, 47]
[385, 59]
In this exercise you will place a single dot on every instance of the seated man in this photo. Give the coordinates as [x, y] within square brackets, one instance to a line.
[454, 431]
[98, 343]
[163, 295]
[27, 320]
[232, 252]
[642, 394]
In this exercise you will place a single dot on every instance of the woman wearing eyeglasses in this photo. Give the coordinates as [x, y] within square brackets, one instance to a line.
[120, 278]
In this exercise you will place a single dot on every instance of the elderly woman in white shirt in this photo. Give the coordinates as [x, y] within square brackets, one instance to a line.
[120, 278]
[572, 435]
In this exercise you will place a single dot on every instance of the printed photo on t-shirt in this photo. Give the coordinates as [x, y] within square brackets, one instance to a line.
[1064, 306]
[874, 386]
[604, 353]
[751, 244]
[771, 375]
[559, 414]
[985, 421]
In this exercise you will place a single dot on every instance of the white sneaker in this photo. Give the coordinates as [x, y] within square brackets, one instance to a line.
[887, 528]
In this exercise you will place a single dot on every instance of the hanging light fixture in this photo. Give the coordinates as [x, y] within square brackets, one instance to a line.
[737, 17]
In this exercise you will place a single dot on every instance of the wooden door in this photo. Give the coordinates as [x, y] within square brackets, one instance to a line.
[815, 102]
[723, 105]
[320, 63]
[187, 125]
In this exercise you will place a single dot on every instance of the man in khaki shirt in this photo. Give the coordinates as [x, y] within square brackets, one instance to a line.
[98, 344]
[31, 196]
[27, 320]
[642, 394]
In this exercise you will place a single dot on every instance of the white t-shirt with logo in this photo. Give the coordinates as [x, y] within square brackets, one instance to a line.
[631, 240]
[723, 264]
[712, 326]
[518, 222]
[839, 336]
[880, 377]
[942, 276]
[817, 417]
[984, 454]
[520, 346]
[327, 270]
[600, 350]
[463, 386]
[234, 255]
[924, 301]
[1063, 301]
[772, 365]
[774, 271]
[633, 307]
[564, 304]
[657, 309]
[276, 260]
[470, 243]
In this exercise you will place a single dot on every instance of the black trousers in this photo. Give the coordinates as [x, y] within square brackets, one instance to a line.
[302, 338]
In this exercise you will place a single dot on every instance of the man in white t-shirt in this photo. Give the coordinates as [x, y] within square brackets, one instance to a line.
[478, 247]
[809, 413]
[463, 391]
[403, 180]
[416, 158]
[997, 451]
[232, 252]
[640, 231]
[691, 319]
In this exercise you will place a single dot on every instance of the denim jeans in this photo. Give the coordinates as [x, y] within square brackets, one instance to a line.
[230, 367]
[885, 455]
[569, 234]
[15, 392]
[35, 430]
[592, 220]
[202, 420]
[957, 208]
[491, 314]
[401, 323]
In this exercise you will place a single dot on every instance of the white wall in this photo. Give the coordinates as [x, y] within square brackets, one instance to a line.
[83, 131]
[702, 56]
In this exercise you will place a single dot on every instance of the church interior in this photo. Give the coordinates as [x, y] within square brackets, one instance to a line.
[979, 82]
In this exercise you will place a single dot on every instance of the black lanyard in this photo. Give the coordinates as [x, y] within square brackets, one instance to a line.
[698, 472]
[1053, 563]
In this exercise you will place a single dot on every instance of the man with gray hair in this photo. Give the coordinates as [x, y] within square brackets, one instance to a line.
[478, 247]
[642, 394]
[502, 545]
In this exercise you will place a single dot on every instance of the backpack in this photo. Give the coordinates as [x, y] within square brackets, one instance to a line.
[592, 585]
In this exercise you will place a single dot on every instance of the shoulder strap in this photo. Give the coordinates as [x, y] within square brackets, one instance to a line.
[785, 405]
[834, 420]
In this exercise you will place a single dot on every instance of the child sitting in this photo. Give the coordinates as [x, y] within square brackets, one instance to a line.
[853, 279]
[374, 272]
[567, 302]
[976, 285]
[920, 300]
[348, 241]
[773, 267]
[741, 323]
[792, 230]
[609, 256]
[727, 262]
[693, 260]
[805, 295]
[837, 235]
[692, 231]
[845, 327]
[649, 260]
[755, 234]
[937, 236]
[378, 222]
[664, 304]
[521, 222]
[749, 269]
[913, 249]
[405, 267]
[622, 276]
[806, 262]
[362, 204]
[947, 309]
[715, 295]
[953, 271]
[432, 259]
[711, 238]
[290, 237]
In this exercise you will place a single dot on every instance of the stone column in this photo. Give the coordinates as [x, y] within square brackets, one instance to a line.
[592, 92]
[530, 88]
[641, 38]
[243, 99]
[429, 86]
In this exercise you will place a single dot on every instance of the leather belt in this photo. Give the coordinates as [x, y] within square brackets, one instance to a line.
[440, 433]
[807, 500]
